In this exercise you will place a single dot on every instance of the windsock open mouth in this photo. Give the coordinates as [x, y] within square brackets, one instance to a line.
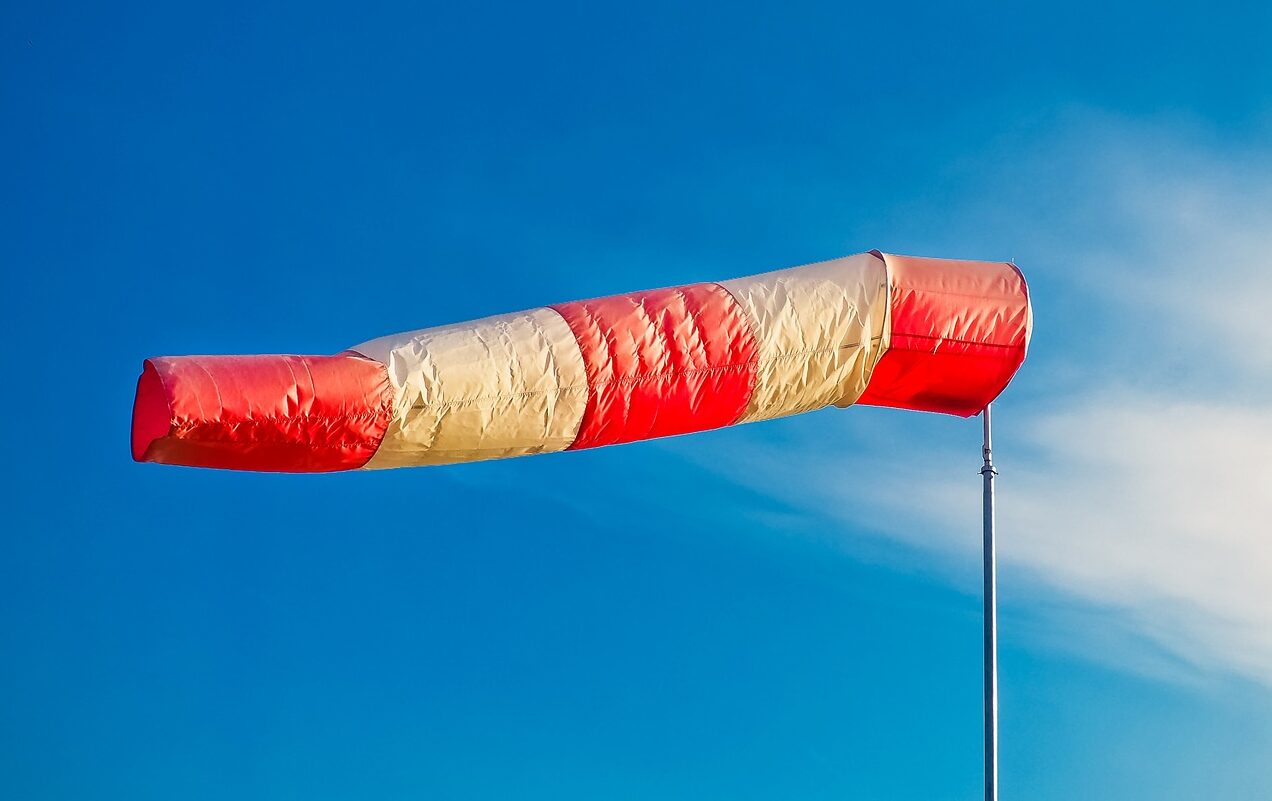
[958, 332]
[932, 335]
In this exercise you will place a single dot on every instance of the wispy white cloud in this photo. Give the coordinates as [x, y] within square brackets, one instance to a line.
[1158, 508]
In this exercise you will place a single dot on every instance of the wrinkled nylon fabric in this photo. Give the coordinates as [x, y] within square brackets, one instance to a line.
[820, 329]
[302, 414]
[509, 385]
[904, 332]
[662, 362]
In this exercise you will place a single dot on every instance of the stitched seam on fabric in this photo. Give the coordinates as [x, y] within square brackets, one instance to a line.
[623, 380]
[578, 348]
[388, 400]
[878, 354]
[511, 396]
[580, 310]
[750, 324]
[951, 339]
[181, 425]
[638, 379]
[204, 439]
[817, 351]
[181, 429]
[913, 290]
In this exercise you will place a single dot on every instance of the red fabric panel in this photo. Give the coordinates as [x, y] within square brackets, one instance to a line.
[959, 333]
[287, 414]
[662, 362]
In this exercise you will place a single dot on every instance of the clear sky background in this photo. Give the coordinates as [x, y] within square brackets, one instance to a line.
[788, 610]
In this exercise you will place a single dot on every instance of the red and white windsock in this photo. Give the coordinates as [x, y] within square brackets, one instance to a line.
[932, 335]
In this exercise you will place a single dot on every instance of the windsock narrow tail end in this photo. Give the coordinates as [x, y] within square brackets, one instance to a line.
[152, 416]
[275, 413]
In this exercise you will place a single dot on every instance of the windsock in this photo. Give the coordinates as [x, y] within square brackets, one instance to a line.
[932, 335]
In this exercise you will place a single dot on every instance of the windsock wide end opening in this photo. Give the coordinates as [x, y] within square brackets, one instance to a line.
[959, 332]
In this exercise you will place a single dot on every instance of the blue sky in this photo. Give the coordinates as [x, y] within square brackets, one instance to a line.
[783, 610]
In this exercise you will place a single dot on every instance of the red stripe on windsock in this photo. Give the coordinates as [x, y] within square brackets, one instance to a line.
[959, 333]
[662, 362]
[284, 414]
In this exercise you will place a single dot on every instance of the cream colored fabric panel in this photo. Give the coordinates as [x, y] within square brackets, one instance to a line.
[508, 385]
[821, 329]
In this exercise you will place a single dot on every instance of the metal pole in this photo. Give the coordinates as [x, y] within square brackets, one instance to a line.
[990, 574]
